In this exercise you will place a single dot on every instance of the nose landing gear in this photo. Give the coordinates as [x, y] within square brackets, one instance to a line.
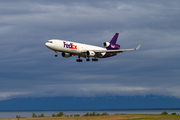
[56, 54]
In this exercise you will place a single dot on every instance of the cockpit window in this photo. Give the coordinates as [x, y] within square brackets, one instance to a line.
[49, 41]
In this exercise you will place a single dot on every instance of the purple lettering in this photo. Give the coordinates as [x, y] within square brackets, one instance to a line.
[64, 44]
[67, 45]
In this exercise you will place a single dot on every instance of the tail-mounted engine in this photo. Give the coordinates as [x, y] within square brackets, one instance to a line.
[111, 46]
[66, 55]
[106, 44]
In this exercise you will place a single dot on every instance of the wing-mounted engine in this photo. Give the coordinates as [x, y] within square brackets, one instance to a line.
[66, 55]
[90, 53]
[111, 46]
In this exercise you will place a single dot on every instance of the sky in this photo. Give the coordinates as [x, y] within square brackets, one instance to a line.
[29, 69]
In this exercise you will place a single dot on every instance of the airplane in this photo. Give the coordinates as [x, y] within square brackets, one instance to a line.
[68, 48]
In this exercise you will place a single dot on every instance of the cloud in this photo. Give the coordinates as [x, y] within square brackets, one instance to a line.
[90, 90]
[9, 95]
[124, 7]
[25, 61]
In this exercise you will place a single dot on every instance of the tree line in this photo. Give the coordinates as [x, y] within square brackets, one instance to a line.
[166, 113]
[61, 114]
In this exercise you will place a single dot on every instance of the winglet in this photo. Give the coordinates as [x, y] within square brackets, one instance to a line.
[137, 47]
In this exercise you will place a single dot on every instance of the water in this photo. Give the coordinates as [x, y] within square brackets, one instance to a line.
[81, 113]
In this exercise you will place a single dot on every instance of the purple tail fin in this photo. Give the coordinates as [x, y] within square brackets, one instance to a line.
[114, 39]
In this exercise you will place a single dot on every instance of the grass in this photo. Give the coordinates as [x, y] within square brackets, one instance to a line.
[108, 117]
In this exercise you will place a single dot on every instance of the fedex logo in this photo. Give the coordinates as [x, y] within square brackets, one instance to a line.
[113, 46]
[71, 45]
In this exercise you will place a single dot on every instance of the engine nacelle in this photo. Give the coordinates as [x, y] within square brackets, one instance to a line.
[111, 46]
[106, 44]
[66, 55]
[90, 53]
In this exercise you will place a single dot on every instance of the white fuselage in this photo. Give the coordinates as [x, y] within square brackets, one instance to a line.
[71, 47]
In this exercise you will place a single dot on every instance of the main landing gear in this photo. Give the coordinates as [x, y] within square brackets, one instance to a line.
[88, 59]
[79, 60]
[95, 59]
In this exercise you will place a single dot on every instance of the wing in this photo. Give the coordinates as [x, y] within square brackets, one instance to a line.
[115, 51]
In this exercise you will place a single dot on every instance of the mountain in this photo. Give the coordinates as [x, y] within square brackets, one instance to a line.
[90, 103]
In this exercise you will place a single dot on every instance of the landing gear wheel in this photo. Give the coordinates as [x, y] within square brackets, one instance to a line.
[79, 60]
[95, 59]
[56, 53]
[88, 59]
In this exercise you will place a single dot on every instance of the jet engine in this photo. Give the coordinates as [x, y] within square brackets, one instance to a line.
[90, 53]
[111, 46]
[66, 55]
[106, 44]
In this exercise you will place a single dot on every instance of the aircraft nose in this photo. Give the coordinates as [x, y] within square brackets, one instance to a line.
[46, 44]
[49, 44]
